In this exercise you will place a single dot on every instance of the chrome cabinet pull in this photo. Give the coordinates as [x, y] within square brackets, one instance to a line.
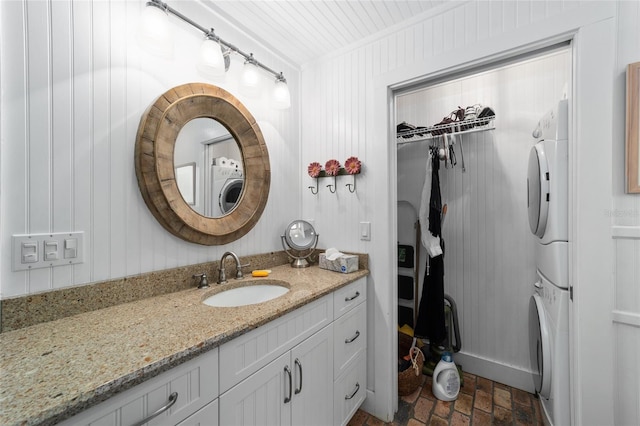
[347, 397]
[287, 399]
[299, 364]
[172, 400]
[353, 338]
[349, 299]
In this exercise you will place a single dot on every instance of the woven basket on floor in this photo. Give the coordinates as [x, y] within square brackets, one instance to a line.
[408, 381]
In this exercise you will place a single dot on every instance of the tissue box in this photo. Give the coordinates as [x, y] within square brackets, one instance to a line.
[345, 263]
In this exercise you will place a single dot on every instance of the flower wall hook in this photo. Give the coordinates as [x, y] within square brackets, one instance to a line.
[353, 167]
[332, 168]
[314, 170]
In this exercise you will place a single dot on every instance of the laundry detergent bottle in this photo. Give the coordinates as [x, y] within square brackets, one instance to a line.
[446, 380]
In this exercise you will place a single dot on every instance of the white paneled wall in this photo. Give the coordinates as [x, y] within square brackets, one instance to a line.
[489, 261]
[625, 218]
[74, 84]
[455, 35]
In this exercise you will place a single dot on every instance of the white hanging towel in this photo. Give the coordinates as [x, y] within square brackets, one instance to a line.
[431, 243]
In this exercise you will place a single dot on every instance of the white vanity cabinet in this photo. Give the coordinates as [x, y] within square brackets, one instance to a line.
[306, 367]
[350, 346]
[176, 393]
[287, 372]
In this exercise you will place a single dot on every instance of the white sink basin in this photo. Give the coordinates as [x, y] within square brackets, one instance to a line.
[246, 295]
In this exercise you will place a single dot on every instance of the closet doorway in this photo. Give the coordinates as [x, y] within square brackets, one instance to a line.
[489, 250]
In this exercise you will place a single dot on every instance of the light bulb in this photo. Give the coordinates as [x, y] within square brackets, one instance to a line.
[211, 59]
[155, 31]
[281, 95]
[250, 79]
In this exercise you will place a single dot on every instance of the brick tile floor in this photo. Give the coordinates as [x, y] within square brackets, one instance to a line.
[480, 402]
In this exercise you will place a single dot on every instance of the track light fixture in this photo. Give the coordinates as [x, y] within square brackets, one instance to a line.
[214, 52]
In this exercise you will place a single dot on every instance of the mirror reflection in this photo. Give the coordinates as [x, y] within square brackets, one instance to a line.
[218, 177]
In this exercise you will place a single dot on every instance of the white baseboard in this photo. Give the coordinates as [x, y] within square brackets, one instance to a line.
[515, 377]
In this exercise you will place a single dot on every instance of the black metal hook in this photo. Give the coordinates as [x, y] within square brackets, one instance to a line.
[349, 185]
[314, 190]
[333, 191]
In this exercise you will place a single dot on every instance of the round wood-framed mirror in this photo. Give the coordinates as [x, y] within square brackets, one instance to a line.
[154, 163]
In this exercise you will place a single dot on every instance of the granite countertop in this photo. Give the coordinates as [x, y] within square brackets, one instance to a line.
[53, 370]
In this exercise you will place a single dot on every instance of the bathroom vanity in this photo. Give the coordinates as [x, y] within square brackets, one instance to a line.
[297, 359]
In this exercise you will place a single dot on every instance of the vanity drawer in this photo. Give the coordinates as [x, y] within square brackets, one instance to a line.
[194, 384]
[350, 337]
[350, 390]
[349, 296]
[246, 354]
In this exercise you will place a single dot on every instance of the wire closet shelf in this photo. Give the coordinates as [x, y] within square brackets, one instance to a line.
[454, 128]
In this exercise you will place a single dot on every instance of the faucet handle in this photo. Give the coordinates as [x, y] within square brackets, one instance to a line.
[239, 274]
[204, 282]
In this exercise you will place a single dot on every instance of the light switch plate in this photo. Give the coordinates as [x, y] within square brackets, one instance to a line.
[33, 251]
[365, 231]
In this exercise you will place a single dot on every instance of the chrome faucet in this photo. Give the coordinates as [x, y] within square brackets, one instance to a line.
[222, 278]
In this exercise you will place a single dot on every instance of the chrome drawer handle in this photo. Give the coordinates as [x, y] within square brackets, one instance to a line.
[347, 397]
[172, 400]
[287, 399]
[349, 299]
[353, 338]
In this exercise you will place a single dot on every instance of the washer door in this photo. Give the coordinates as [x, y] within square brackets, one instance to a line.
[538, 190]
[539, 346]
[230, 194]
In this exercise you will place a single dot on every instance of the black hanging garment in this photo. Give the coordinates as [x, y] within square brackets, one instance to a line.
[431, 322]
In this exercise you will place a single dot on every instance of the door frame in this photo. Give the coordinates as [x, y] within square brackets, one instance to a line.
[590, 30]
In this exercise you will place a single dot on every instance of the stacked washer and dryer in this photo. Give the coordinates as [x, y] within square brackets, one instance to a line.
[547, 186]
[227, 184]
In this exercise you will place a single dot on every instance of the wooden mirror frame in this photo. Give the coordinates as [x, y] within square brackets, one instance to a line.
[155, 144]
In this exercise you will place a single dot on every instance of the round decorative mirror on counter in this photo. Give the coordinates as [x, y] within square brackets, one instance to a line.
[301, 237]
[156, 168]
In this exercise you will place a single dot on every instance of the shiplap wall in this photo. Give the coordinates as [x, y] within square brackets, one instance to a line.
[74, 84]
[339, 118]
[489, 263]
[625, 218]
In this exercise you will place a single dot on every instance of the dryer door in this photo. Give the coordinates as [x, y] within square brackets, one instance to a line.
[539, 349]
[538, 190]
[229, 194]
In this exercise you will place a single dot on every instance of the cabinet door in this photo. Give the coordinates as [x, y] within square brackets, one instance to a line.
[260, 398]
[246, 354]
[313, 380]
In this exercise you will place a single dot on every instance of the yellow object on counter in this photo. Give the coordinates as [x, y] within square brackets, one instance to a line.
[260, 273]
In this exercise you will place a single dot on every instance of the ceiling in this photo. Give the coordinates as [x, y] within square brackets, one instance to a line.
[303, 30]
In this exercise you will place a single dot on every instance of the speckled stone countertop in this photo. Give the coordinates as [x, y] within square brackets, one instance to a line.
[53, 370]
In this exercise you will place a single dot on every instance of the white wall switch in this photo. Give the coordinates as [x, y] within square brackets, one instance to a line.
[70, 248]
[32, 251]
[50, 250]
[365, 231]
[28, 252]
